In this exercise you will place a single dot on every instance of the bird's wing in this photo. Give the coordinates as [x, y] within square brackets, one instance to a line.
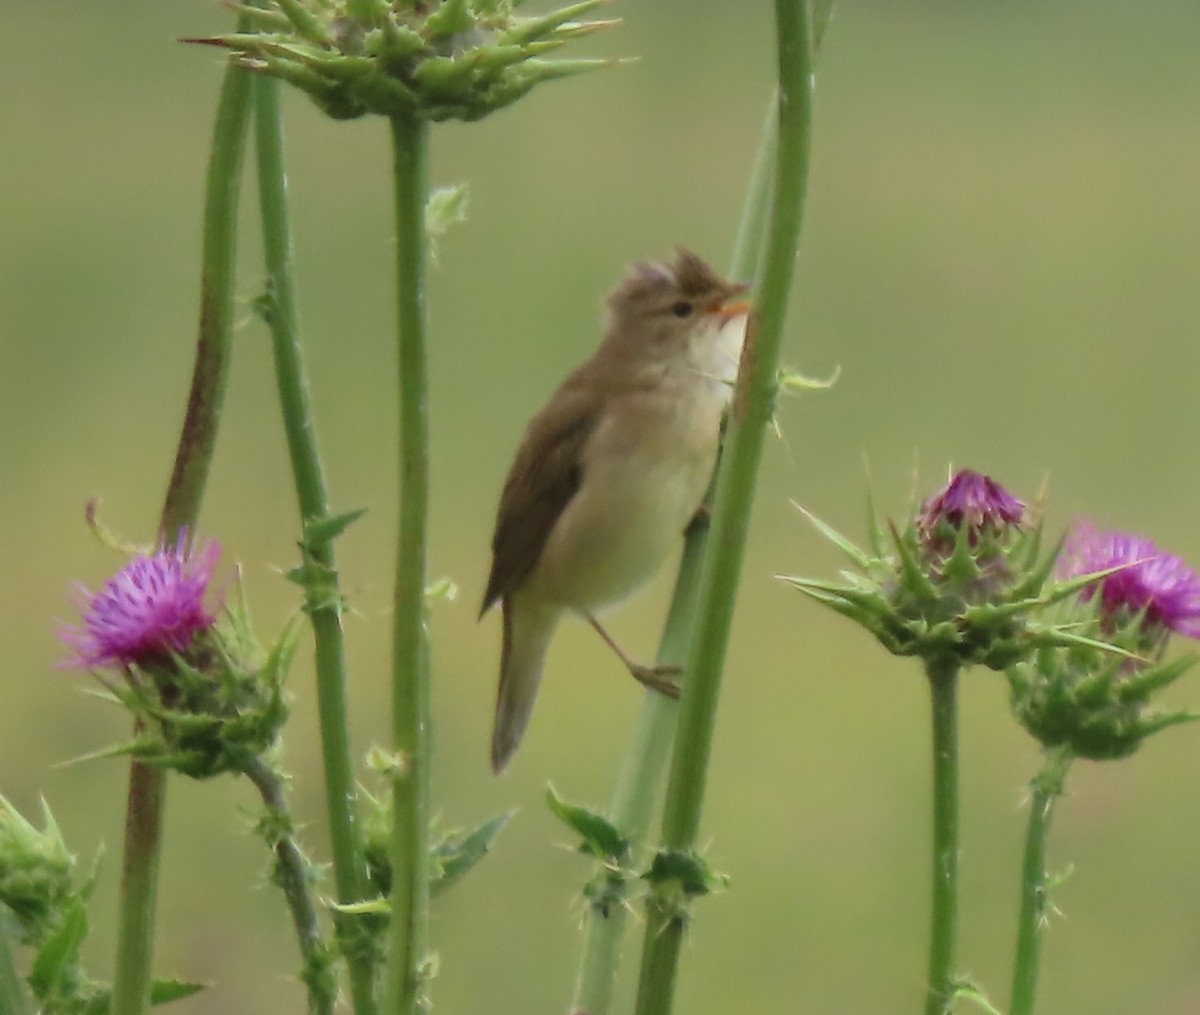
[544, 477]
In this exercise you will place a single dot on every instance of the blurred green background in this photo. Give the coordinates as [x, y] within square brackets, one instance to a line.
[1000, 252]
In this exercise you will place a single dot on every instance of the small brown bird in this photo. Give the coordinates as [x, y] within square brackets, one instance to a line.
[611, 471]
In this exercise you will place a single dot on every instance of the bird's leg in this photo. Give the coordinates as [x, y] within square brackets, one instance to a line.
[657, 677]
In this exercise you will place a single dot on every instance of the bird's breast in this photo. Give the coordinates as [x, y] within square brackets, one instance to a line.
[645, 469]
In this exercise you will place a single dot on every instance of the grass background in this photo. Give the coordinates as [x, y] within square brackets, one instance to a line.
[1000, 253]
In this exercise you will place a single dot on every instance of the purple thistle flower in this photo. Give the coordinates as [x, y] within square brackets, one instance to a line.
[153, 606]
[971, 499]
[1158, 583]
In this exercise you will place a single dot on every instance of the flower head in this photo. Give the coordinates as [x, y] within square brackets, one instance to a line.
[152, 607]
[971, 500]
[959, 584]
[452, 60]
[1155, 585]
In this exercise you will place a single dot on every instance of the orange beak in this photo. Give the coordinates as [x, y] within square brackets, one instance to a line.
[729, 311]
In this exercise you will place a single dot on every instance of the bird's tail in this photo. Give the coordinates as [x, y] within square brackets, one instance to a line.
[527, 634]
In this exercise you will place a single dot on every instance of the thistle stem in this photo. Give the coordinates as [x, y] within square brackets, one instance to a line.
[748, 421]
[322, 596]
[943, 685]
[13, 999]
[147, 786]
[1047, 787]
[642, 770]
[408, 932]
[293, 871]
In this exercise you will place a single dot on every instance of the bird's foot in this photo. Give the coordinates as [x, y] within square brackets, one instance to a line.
[657, 678]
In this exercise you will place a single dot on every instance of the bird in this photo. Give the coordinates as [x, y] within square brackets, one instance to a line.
[611, 471]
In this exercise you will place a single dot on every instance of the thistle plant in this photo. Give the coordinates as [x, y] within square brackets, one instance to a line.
[1096, 701]
[963, 583]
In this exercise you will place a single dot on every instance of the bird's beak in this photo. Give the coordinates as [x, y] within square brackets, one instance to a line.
[728, 311]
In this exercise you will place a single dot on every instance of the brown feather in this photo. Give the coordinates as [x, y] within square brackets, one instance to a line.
[545, 475]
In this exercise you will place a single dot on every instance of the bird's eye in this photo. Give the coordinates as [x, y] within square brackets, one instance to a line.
[682, 309]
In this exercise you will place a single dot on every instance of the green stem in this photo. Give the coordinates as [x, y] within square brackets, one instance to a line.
[322, 596]
[409, 930]
[642, 769]
[748, 421]
[13, 999]
[293, 875]
[943, 685]
[633, 800]
[1047, 787]
[147, 786]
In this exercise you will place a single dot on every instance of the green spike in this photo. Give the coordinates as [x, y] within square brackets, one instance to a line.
[874, 529]
[307, 24]
[552, 70]
[911, 574]
[1141, 685]
[272, 21]
[452, 18]
[1146, 725]
[1032, 585]
[578, 29]
[857, 557]
[961, 567]
[528, 29]
[1061, 590]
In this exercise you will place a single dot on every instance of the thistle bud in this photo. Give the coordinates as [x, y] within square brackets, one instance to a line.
[453, 60]
[961, 583]
[1097, 698]
[207, 698]
[36, 873]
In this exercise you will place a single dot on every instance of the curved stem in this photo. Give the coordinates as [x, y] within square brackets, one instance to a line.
[408, 933]
[147, 786]
[322, 596]
[13, 999]
[749, 417]
[943, 685]
[1047, 787]
[293, 875]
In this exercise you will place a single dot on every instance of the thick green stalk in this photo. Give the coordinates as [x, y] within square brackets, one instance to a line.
[322, 596]
[147, 786]
[642, 768]
[748, 421]
[1047, 787]
[13, 999]
[407, 962]
[943, 686]
[292, 872]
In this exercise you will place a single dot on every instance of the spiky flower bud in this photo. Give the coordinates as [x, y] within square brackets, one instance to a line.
[207, 698]
[453, 60]
[1097, 698]
[36, 873]
[962, 583]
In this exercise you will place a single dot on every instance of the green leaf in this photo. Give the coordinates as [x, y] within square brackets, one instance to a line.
[446, 207]
[456, 853]
[364, 908]
[164, 991]
[318, 531]
[688, 868]
[59, 955]
[600, 836]
[967, 989]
